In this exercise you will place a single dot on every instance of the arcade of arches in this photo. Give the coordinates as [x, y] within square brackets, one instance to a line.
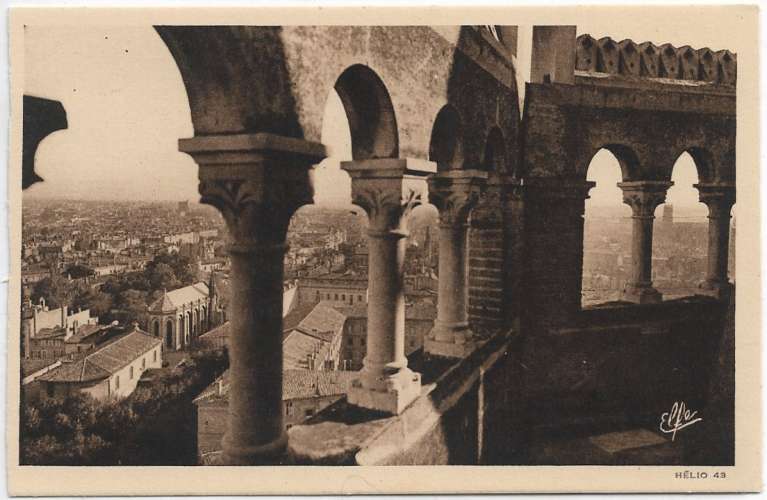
[434, 117]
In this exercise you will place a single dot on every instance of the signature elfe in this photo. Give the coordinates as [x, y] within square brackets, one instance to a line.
[677, 419]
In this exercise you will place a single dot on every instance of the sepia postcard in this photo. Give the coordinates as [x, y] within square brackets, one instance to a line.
[383, 250]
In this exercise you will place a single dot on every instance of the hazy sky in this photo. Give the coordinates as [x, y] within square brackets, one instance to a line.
[126, 108]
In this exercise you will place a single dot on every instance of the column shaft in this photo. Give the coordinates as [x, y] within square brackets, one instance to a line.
[386, 304]
[388, 189]
[455, 193]
[453, 292]
[719, 197]
[643, 197]
[718, 244]
[256, 181]
[641, 253]
[255, 427]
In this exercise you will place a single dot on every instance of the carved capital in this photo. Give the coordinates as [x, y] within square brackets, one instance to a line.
[388, 190]
[719, 197]
[644, 196]
[455, 193]
[256, 181]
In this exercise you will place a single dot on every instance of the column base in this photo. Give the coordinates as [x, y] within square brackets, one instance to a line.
[265, 454]
[397, 392]
[641, 294]
[718, 289]
[449, 342]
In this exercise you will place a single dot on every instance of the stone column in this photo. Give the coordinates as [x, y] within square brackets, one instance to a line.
[551, 281]
[643, 197]
[388, 190]
[454, 193]
[257, 182]
[719, 198]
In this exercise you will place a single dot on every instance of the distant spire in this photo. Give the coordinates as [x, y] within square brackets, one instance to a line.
[212, 284]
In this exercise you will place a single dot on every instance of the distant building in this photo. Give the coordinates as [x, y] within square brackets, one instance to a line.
[340, 289]
[304, 394]
[183, 207]
[315, 342]
[110, 371]
[668, 215]
[44, 331]
[419, 320]
[182, 315]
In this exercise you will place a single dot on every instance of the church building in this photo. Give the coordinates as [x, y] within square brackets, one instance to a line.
[183, 314]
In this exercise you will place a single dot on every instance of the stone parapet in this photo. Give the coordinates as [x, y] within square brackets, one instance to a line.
[451, 422]
[646, 60]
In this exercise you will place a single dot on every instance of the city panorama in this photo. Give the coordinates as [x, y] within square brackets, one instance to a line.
[377, 245]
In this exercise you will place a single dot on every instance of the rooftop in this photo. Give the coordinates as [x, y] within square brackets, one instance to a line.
[105, 360]
[296, 384]
[174, 299]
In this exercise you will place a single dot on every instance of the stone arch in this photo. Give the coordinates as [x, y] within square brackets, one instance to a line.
[156, 327]
[370, 112]
[604, 213]
[626, 156]
[704, 162]
[495, 157]
[447, 142]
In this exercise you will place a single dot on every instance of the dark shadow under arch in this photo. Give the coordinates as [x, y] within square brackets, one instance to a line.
[446, 144]
[370, 113]
[704, 162]
[494, 159]
[627, 159]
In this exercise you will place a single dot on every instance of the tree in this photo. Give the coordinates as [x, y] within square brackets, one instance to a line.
[154, 426]
[56, 291]
[97, 301]
[77, 271]
[162, 276]
[133, 303]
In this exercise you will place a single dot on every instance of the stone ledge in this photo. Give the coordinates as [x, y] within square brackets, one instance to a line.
[347, 435]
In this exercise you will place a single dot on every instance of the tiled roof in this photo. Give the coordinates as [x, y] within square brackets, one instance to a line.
[295, 316]
[30, 366]
[106, 360]
[84, 332]
[180, 296]
[163, 304]
[47, 333]
[297, 346]
[324, 321]
[219, 331]
[423, 311]
[296, 384]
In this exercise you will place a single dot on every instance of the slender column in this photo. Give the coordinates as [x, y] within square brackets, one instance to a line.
[454, 193]
[256, 182]
[719, 198]
[388, 190]
[643, 197]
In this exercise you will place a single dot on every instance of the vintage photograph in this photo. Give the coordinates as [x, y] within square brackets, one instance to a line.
[359, 245]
